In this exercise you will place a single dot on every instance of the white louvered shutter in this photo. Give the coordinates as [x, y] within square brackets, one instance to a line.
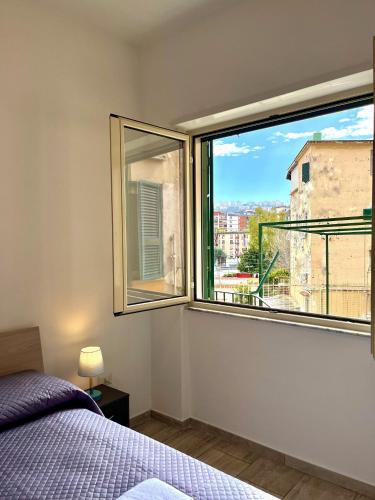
[150, 230]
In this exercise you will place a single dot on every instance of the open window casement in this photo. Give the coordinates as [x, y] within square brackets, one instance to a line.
[372, 236]
[151, 216]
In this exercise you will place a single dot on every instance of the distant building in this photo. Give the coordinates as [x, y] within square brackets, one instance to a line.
[249, 211]
[233, 222]
[230, 222]
[220, 220]
[243, 222]
[232, 242]
[281, 209]
[331, 179]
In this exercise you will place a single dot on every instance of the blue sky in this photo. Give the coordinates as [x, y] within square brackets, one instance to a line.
[253, 166]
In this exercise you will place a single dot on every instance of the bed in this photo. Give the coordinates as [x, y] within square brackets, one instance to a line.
[56, 444]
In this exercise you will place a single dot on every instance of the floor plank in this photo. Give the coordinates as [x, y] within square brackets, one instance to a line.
[223, 461]
[237, 459]
[276, 478]
[157, 429]
[191, 442]
[312, 488]
[151, 427]
[237, 450]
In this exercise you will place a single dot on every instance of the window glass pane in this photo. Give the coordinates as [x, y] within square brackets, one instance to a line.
[291, 215]
[154, 213]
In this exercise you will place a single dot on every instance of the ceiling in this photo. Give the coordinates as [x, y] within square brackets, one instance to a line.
[137, 21]
[256, 110]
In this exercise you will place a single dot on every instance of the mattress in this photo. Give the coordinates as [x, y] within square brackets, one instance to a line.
[55, 444]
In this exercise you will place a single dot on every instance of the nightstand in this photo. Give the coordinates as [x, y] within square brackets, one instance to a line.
[114, 404]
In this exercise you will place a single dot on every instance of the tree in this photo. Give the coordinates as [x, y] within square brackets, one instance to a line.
[249, 261]
[269, 234]
[271, 242]
[220, 256]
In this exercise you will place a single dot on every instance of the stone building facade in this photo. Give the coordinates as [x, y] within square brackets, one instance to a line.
[331, 179]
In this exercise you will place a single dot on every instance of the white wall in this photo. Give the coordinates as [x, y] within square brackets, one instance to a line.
[251, 51]
[310, 394]
[170, 363]
[306, 393]
[59, 82]
[303, 391]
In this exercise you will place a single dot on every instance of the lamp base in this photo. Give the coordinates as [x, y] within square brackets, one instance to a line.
[94, 394]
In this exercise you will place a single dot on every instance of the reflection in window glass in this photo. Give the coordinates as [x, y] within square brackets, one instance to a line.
[154, 212]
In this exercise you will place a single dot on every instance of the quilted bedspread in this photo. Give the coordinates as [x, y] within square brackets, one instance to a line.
[76, 453]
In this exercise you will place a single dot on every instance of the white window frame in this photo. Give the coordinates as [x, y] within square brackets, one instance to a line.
[117, 132]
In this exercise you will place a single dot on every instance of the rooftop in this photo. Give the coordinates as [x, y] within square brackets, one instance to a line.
[319, 143]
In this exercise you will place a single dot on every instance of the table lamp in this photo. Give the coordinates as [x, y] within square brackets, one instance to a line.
[91, 365]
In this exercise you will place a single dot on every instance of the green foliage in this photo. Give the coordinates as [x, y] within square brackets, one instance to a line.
[229, 275]
[220, 256]
[246, 289]
[261, 215]
[249, 261]
[278, 275]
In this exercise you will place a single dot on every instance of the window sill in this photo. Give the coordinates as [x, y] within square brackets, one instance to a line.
[321, 324]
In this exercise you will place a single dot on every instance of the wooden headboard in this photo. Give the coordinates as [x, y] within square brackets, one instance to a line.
[20, 350]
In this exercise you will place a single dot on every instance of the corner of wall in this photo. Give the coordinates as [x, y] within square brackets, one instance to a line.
[170, 370]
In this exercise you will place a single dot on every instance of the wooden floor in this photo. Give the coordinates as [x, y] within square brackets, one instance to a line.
[239, 461]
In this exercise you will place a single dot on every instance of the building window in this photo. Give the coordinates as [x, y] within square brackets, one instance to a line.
[305, 172]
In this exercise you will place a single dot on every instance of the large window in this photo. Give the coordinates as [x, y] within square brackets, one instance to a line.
[285, 214]
[280, 225]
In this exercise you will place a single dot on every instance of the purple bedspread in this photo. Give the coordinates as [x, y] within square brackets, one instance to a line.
[28, 394]
[51, 452]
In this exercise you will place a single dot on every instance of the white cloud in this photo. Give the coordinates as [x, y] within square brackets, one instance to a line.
[333, 133]
[233, 149]
[297, 135]
[256, 157]
[230, 149]
[361, 126]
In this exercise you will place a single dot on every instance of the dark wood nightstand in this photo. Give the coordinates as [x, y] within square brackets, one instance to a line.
[114, 404]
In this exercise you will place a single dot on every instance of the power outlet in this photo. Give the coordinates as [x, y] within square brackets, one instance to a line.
[108, 379]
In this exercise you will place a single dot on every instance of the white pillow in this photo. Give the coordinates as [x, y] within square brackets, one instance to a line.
[154, 489]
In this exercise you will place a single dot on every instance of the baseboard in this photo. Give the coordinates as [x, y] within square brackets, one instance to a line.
[184, 424]
[266, 452]
[328, 475]
[305, 467]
